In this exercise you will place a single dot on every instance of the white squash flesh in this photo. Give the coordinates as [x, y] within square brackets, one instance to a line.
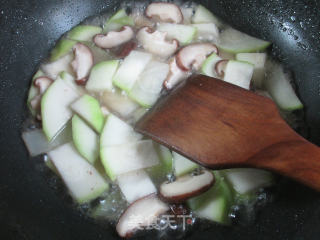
[128, 157]
[135, 185]
[55, 111]
[81, 178]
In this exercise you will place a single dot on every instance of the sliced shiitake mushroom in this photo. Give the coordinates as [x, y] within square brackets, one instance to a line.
[126, 49]
[82, 62]
[35, 102]
[155, 42]
[193, 55]
[53, 69]
[114, 38]
[220, 67]
[186, 186]
[140, 214]
[141, 21]
[164, 12]
[175, 75]
[42, 83]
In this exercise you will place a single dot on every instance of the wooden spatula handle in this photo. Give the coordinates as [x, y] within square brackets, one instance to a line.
[220, 125]
[298, 160]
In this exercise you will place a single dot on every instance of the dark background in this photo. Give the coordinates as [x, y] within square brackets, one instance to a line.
[30, 207]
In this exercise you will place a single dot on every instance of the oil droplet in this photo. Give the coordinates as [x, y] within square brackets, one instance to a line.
[291, 32]
[301, 45]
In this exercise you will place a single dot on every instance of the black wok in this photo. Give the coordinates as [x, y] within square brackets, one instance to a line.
[31, 208]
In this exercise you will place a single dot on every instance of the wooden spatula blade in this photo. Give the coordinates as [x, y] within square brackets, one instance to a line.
[220, 125]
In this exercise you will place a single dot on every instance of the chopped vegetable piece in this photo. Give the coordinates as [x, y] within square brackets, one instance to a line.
[245, 180]
[37, 142]
[214, 204]
[128, 157]
[147, 88]
[55, 112]
[81, 178]
[116, 132]
[278, 85]
[207, 32]
[118, 20]
[239, 73]
[159, 172]
[33, 91]
[85, 139]
[119, 103]
[135, 185]
[84, 33]
[203, 15]
[234, 41]
[182, 165]
[208, 66]
[258, 60]
[63, 47]
[89, 109]
[101, 76]
[130, 70]
[53, 69]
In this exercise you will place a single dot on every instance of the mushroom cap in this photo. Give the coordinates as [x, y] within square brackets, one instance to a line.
[186, 186]
[82, 63]
[175, 75]
[114, 38]
[164, 12]
[220, 67]
[126, 49]
[140, 214]
[42, 83]
[193, 55]
[35, 102]
[155, 42]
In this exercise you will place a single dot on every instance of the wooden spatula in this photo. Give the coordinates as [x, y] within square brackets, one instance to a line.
[219, 125]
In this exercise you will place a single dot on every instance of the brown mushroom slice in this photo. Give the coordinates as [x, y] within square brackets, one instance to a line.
[35, 102]
[114, 38]
[126, 49]
[186, 186]
[140, 214]
[82, 63]
[193, 55]
[42, 83]
[53, 69]
[155, 42]
[220, 67]
[164, 12]
[175, 75]
[141, 21]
